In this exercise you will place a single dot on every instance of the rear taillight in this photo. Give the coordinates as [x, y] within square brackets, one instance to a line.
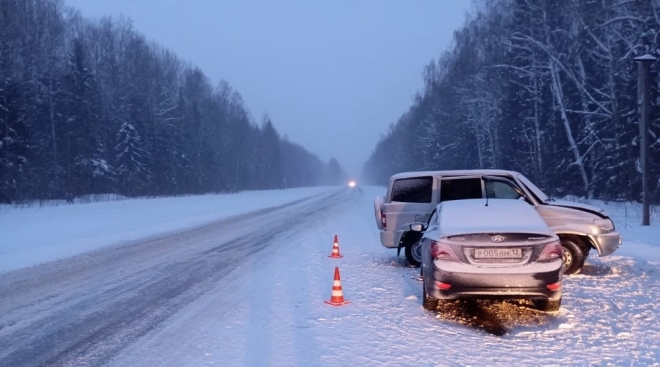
[554, 286]
[551, 251]
[442, 251]
[383, 220]
[442, 286]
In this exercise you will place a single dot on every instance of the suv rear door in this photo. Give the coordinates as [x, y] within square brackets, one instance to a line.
[409, 200]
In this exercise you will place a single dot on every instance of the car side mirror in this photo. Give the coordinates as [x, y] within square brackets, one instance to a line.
[417, 227]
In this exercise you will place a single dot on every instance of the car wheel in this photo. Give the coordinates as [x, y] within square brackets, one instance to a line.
[429, 303]
[547, 305]
[572, 256]
[414, 253]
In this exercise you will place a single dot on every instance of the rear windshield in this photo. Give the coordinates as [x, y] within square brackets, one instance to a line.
[413, 190]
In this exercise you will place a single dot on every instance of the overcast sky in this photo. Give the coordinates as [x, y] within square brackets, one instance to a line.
[332, 75]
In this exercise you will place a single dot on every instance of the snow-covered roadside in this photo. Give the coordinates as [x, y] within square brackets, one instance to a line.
[33, 235]
[640, 242]
[270, 310]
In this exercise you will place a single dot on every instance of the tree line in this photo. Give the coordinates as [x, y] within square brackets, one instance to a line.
[90, 107]
[547, 88]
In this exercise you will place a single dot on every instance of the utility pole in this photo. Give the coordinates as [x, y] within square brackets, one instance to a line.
[644, 63]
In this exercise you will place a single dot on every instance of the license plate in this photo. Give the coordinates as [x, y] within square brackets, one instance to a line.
[498, 253]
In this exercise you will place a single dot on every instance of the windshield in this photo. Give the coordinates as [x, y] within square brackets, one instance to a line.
[533, 189]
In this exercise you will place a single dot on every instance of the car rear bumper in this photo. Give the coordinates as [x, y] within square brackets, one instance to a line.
[519, 283]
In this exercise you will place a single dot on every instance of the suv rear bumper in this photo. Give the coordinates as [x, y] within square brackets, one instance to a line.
[390, 239]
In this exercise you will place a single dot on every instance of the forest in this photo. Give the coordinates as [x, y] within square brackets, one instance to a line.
[544, 87]
[90, 107]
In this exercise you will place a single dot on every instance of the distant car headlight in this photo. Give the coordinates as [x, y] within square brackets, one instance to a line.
[604, 224]
[352, 184]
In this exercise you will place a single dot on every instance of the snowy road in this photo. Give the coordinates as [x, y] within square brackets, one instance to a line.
[83, 310]
[249, 291]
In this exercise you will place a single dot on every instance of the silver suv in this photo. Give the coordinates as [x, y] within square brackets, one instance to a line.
[412, 196]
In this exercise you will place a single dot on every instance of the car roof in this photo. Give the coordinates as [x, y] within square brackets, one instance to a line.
[500, 216]
[464, 172]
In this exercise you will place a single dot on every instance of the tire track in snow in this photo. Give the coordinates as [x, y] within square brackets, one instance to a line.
[496, 317]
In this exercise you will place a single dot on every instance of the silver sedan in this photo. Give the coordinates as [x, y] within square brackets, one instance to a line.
[495, 248]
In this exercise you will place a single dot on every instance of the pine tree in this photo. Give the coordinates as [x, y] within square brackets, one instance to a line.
[86, 165]
[15, 150]
[271, 157]
[132, 174]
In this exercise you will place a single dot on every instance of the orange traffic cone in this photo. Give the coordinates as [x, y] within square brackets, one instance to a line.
[335, 249]
[337, 298]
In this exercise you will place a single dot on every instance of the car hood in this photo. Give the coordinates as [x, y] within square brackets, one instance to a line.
[579, 206]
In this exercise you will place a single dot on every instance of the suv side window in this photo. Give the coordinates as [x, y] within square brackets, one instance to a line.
[460, 188]
[500, 190]
[413, 190]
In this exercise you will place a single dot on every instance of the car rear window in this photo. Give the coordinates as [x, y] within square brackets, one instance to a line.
[413, 190]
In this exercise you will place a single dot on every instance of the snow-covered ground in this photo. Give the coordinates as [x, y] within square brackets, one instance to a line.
[270, 310]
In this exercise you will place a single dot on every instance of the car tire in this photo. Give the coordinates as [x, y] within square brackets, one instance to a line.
[413, 251]
[547, 305]
[572, 256]
[429, 303]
